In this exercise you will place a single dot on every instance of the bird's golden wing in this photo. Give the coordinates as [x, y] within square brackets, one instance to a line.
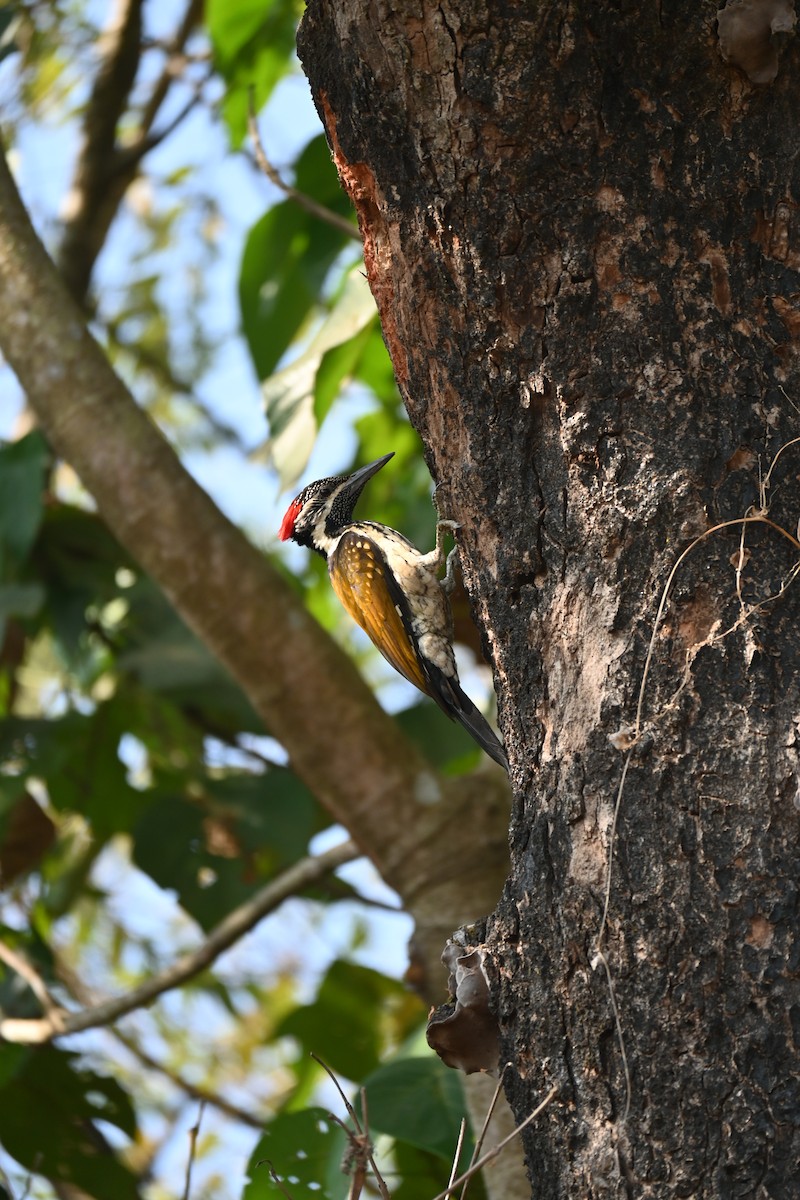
[357, 570]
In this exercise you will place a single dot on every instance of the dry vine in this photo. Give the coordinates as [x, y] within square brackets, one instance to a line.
[628, 740]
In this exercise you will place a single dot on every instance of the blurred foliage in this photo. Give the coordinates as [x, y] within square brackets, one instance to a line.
[141, 798]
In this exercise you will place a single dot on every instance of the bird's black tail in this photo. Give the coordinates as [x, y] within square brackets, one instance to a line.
[475, 723]
[450, 697]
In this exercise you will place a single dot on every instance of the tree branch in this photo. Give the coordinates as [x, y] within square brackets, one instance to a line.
[300, 198]
[105, 169]
[173, 66]
[295, 879]
[76, 987]
[97, 187]
[20, 965]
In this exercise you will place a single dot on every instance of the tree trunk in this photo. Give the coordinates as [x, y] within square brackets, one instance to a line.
[582, 229]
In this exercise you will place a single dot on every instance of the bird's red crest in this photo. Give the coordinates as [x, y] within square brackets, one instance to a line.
[287, 524]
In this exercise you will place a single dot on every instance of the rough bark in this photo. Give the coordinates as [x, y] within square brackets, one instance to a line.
[582, 229]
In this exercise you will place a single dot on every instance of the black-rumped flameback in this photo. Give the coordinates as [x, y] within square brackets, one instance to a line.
[391, 590]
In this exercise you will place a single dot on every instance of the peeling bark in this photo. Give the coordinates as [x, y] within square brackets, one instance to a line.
[583, 234]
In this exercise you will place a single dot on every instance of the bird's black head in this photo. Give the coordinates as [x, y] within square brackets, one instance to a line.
[322, 510]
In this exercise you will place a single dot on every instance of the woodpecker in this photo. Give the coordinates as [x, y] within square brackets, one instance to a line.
[390, 589]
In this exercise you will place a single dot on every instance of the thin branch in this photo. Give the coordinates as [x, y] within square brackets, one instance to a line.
[233, 927]
[173, 66]
[20, 965]
[194, 1133]
[498, 1149]
[76, 987]
[105, 169]
[192, 1090]
[459, 1147]
[359, 1141]
[300, 198]
[91, 201]
[131, 154]
[485, 1127]
[275, 1177]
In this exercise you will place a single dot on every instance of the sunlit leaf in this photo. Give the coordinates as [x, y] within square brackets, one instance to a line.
[287, 257]
[289, 393]
[253, 44]
[337, 367]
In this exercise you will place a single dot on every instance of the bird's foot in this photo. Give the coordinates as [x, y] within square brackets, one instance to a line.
[449, 580]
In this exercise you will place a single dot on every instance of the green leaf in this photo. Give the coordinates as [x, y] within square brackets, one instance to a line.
[275, 813]
[287, 256]
[77, 757]
[253, 43]
[375, 369]
[305, 1150]
[289, 393]
[48, 1087]
[423, 1175]
[11, 1059]
[22, 475]
[417, 1100]
[77, 559]
[165, 657]
[337, 367]
[21, 599]
[345, 1024]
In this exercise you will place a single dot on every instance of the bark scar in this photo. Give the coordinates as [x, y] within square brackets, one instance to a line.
[360, 183]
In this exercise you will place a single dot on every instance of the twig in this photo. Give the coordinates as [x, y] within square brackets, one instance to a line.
[359, 1141]
[92, 202]
[20, 965]
[175, 57]
[498, 1149]
[87, 998]
[234, 926]
[104, 168]
[462, 1129]
[300, 198]
[599, 959]
[275, 1177]
[485, 1127]
[6, 1182]
[131, 154]
[194, 1091]
[194, 1133]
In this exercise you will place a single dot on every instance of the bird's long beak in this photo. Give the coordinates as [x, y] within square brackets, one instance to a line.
[355, 482]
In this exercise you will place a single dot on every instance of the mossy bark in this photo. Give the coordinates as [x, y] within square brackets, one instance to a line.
[582, 229]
